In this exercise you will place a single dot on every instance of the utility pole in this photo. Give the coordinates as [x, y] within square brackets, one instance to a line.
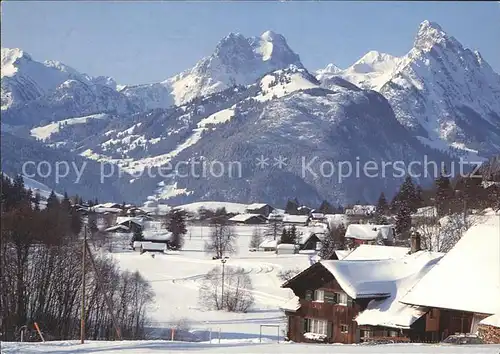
[223, 261]
[106, 298]
[82, 320]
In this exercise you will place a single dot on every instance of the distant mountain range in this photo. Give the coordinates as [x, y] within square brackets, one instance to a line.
[252, 99]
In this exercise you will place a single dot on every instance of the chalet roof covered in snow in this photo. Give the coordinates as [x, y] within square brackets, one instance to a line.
[341, 254]
[108, 205]
[245, 217]
[368, 232]
[291, 305]
[377, 278]
[297, 219]
[102, 210]
[157, 235]
[373, 252]
[126, 219]
[152, 246]
[468, 276]
[493, 320]
[117, 228]
[256, 206]
[268, 243]
[390, 312]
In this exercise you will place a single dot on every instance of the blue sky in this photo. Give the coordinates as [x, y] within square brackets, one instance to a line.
[141, 42]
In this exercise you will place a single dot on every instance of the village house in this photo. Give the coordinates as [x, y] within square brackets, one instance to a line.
[333, 295]
[249, 219]
[359, 234]
[464, 288]
[133, 223]
[311, 241]
[372, 252]
[268, 245]
[153, 247]
[289, 219]
[318, 217]
[259, 208]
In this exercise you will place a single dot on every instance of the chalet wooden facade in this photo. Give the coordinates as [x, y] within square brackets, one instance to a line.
[352, 301]
[325, 309]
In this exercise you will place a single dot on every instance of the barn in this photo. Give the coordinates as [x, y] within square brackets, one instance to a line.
[248, 219]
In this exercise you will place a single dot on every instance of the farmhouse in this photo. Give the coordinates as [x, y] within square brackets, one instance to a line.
[250, 219]
[464, 287]
[350, 301]
[268, 245]
[296, 219]
[370, 234]
[153, 247]
[259, 208]
[312, 241]
[133, 223]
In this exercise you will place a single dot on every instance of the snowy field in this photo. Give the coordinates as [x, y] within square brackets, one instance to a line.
[249, 346]
[176, 276]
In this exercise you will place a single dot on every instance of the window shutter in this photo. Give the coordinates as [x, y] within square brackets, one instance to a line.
[330, 330]
[305, 325]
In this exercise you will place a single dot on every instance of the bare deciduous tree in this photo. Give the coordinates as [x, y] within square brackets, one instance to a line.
[222, 240]
[440, 235]
[285, 275]
[237, 296]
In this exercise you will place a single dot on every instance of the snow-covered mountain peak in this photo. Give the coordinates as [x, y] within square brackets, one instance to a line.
[330, 70]
[430, 34]
[10, 57]
[271, 36]
[374, 61]
[371, 71]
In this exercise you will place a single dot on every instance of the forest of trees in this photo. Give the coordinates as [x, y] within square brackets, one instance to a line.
[41, 273]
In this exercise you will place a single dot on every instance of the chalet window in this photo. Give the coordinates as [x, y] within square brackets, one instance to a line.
[319, 296]
[367, 334]
[317, 326]
[308, 295]
[344, 328]
[393, 333]
[342, 299]
[330, 297]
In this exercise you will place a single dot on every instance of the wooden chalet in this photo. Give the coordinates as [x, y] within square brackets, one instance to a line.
[248, 219]
[359, 234]
[133, 223]
[352, 301]
[323, 308]
[464, 289]
[259, 208]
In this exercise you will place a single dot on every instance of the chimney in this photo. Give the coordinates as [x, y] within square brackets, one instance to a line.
[415, 242]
